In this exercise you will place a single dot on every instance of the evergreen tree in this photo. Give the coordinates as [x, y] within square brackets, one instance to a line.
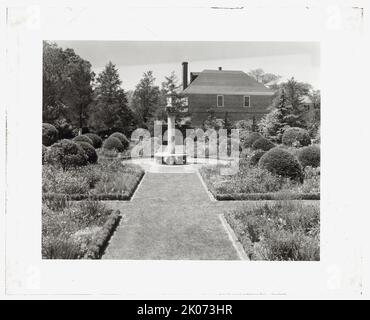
[146, 100]
[110, 110]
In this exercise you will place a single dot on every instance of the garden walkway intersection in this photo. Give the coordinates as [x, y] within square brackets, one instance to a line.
[172, 217]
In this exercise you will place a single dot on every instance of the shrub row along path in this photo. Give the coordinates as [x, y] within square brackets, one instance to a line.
[172, 217]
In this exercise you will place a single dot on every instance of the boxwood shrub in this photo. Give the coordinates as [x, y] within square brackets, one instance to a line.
[263, 144]
[256, 156]
[252, 137]
[83, 138]
[122, 138]
[89, 150]
[309, 156]
[113, 143]
[66, 154]
[280, 162]
[49, 134]
[96, 140]
[296, 137]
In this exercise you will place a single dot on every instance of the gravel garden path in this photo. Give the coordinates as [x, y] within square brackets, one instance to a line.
[172, 217]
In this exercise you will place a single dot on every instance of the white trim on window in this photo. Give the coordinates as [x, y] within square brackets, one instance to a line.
[249, 102]
[220, 106]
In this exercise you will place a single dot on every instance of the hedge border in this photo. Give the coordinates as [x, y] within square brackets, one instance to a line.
[267, 196]
[98, 197]
[100, 242]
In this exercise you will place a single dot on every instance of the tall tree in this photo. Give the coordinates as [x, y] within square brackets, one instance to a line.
[146, 99]
[261, 76]
[67, 86]
[110, 111]
[171, 84]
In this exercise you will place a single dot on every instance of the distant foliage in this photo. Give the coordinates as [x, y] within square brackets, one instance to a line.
[113, 143]
[89, 150]
[49, 134]
[96, 140]
[250, 139]
[309, 156]
[121, 137]
[263, 144]
[66, 154]
[280, 162]
[83, 138]
[296, 137]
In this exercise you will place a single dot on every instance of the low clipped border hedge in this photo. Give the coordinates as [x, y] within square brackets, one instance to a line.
[267, 196]
[97, 197]
[100, 242]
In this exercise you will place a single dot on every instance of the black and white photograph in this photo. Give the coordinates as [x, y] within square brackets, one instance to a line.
[185, 151]
[148, 156]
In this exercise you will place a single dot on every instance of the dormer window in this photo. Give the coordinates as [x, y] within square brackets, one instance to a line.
[247, 101]
[220, 101]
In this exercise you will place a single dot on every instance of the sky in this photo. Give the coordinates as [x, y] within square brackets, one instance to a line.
[300, 60]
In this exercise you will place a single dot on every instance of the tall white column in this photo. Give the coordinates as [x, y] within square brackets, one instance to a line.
[171, 133]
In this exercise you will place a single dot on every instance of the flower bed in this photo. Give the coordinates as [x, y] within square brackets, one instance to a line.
[284, 230]
[106, 180]
[253, 183]
[76, 230]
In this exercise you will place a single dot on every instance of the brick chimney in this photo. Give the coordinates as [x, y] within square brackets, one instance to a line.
[184, 75]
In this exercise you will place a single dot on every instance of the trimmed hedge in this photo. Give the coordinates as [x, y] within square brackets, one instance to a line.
[96, 140]
[263, 144]
[98, 245]
[309, 156]
[281, 162]
[296, 137]
[49, 134]
[83, 138]
[113, 143]
[66, 154]
[267, 196]
[89, 150]
[248, 141]
[255, 158]
[121, 137]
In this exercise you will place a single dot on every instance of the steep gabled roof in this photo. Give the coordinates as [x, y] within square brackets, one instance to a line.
[226, 82]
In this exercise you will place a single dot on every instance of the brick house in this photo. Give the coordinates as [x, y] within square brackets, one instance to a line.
[224, 91]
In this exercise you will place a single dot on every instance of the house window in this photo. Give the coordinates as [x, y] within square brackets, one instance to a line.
[220, 101]
[247, 101]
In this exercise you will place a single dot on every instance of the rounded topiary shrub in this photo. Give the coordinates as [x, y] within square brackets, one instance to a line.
[66, 154]
[296, 137]
[89, 150]
[250, 139]
[83, 138]
[263, 144]
[121, 137]
[280, 162]
[256, 156]
[96, 140]
[49, 134]
[309, 156]
[113, 143]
